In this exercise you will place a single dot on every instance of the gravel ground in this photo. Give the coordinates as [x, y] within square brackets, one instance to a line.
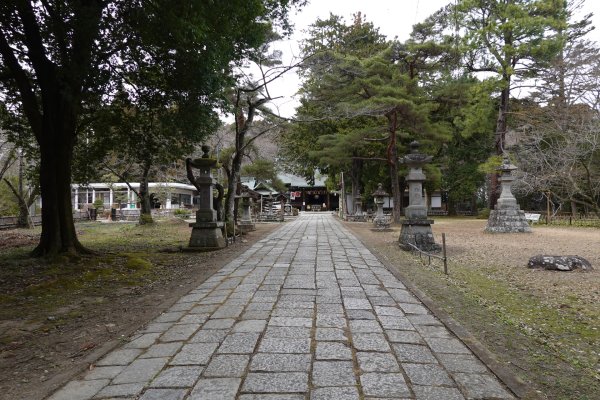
[467, 244]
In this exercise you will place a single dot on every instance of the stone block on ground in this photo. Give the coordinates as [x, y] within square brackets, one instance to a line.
[559, 263]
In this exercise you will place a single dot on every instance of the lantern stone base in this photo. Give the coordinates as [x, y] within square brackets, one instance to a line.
[207, 235]
[507, 220]
[418, 233]
[246, 226]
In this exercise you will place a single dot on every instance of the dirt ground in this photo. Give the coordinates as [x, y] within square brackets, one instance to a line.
[542, 325]
[36, 357]
[468, 245]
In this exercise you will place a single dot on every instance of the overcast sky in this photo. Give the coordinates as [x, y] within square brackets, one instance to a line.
[394, 18]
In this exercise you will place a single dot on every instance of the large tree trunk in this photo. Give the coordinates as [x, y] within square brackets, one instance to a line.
[146, 205]
[53, 111]
[392, 155]
[355, 174]
[56, 154]
[232, 184]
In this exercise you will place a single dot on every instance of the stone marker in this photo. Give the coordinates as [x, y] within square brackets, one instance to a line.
[559, 263]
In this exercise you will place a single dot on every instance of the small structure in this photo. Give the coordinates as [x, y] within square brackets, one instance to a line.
[416, 228]
[207, 230]
[380, 221]
[506, 217]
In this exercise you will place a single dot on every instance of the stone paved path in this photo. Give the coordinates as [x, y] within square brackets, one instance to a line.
[306, 313]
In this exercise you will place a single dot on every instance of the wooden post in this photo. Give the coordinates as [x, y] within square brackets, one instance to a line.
[444, 253]
[548, 194]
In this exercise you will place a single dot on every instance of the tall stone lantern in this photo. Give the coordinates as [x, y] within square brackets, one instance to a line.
[416, 228]
[506, 217]
[380, 221]
[206, 231]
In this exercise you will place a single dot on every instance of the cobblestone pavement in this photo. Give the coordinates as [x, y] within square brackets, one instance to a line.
[306, 313]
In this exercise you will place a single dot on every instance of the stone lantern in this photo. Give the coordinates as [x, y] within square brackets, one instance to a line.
[206, 231]
[358, 205]
[246, 224]
[380, 221]
[416, 228]
[506, 217]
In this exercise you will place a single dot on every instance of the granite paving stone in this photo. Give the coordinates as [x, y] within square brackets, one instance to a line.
[365, 326]
[157, 327]
[427, 374]
[331, 321]
[141, 370]
[209, 335]
[360, 314]
[307, 312]
[333, 373]
[270, 382]
[227, 365]
[267, 396]
[142, 341]
[104, 372]
[239, 343]
[293, 312]
[248, 315]
[224, 323]
[179, 332]
[120, 357]
[164, 394]
[185, 376]
[284, 345]
[377, 362]
[169, 316]
[337, 393]
[296, 332]
[436, 393]
[462, 363]
[194, 354]
[331, 334]
[162, 350]
[414, 353]
[273, 362]
[447, 345]
[250, 326]
[80, 390]
[290, 321]
[383, 301]
[404, 337]
[121, 390]
[370, 342]
[215, 388]
[197, 319]
[393, 322]
[333, 351]
[384, 385]
[481, 386]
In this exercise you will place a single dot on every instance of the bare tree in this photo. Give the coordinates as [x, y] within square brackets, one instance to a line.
[562, 155]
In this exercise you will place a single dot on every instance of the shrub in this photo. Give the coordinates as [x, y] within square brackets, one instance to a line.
[483, 213]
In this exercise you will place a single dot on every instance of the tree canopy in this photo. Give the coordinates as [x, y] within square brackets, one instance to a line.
[65, 59]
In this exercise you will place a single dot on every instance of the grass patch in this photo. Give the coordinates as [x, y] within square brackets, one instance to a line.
[557, 348]
[128, 255]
